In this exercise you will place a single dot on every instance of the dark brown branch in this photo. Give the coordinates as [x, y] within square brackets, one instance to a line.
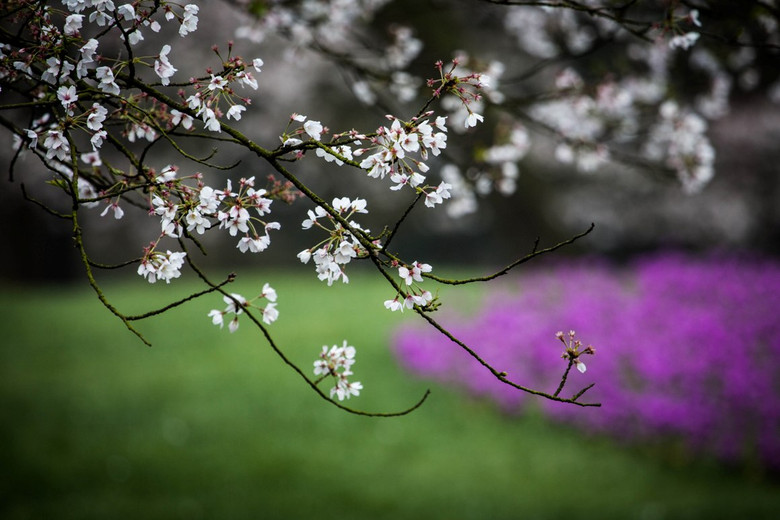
[193, 296]
[400, 220]
[533, 254]
[563, 379]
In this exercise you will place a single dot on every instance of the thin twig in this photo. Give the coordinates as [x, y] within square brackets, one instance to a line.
[400, 220]
[170, 306]
[563, 379]
[533, 254]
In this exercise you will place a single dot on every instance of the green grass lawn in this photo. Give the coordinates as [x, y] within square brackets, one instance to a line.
[208, 424]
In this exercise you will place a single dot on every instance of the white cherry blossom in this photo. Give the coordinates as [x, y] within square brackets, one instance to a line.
[314, 129]
[72, 24]
[163, 67]
[235, 112]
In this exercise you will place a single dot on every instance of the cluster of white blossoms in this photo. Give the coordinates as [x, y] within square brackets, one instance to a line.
[307, 21]
[591, 126]
[337, 362]
[499, 171]
[237, 303]
[679, 140]
[536, 31]
[686, 40]
[332, 254]
[400, 151]
[551, 32]
[583, 122]
[463, 96]
[308, 127]
[329, 27]
[196, 209]
[414, 295]
[207, 101]
[161, 266]
[88, 74]
[88, 67]
[233, 213]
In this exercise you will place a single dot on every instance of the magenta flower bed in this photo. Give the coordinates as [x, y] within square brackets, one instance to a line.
[687, 349]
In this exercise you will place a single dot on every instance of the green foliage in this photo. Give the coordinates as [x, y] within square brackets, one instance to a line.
[207, 424]
[258, 8]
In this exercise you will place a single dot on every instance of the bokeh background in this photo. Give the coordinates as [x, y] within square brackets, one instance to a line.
[207, 424]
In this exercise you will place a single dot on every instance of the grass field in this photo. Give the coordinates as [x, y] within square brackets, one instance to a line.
[207, 424]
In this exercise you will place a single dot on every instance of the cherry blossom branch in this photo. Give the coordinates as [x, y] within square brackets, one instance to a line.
[86, 95]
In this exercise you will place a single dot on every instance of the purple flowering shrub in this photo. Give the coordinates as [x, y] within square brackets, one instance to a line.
[686, 349]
